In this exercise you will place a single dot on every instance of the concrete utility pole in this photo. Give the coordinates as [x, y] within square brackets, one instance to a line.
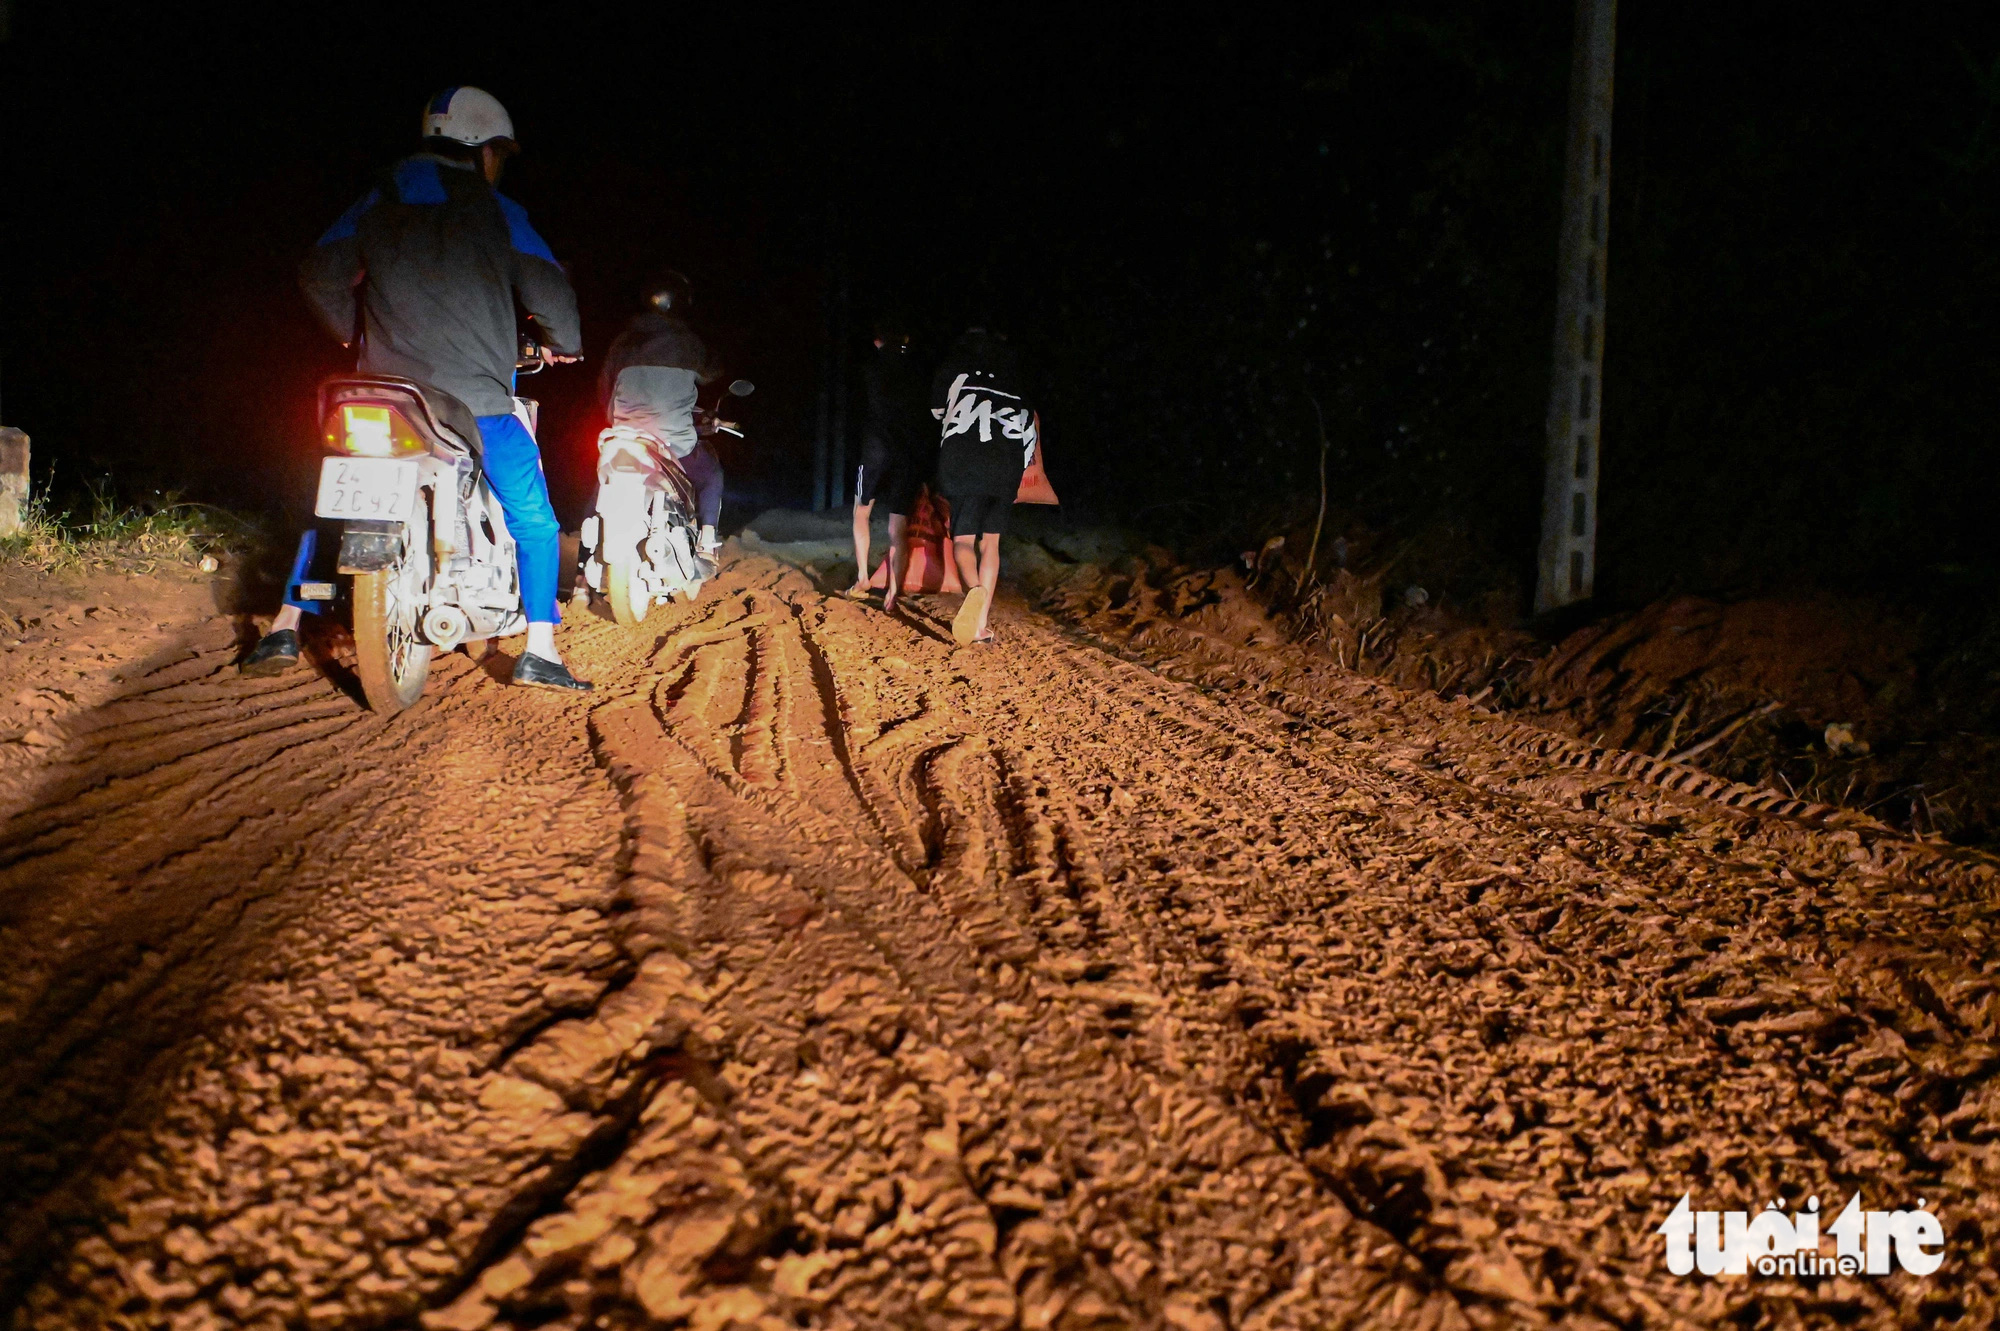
[1568, 564]
[13, 443]
[13, 479]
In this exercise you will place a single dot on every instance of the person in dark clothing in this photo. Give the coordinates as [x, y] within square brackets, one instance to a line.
[898, 451]
[651, 377]
[424, 271]
[989, 430]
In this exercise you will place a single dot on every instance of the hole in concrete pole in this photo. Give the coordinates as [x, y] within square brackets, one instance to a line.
[1582, 455]
[1577, 513]
[1583, 399]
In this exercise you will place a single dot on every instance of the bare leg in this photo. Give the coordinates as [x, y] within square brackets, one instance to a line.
[287, 618]
[989, 575]
[898, 525]
[968, 561]
[542, 642]
[862, 512]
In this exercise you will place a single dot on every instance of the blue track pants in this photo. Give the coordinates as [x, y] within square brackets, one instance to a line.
[704, 470]
[302, 570]
[514, 470]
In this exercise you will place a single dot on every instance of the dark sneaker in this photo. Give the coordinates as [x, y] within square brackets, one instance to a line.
[538, 672]
[274, 654]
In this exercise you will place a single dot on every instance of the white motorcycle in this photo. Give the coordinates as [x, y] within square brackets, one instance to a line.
[640, 544]
[424, 538]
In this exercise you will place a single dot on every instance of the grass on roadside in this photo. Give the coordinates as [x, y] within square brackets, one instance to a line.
[141, 537]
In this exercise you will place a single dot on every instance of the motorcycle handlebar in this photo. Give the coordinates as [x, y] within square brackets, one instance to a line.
[533, 358]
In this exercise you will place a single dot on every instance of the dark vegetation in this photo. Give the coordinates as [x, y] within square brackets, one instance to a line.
[1231, 250]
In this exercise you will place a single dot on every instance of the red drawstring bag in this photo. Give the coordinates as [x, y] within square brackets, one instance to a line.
[927, 562]
[1035, 487]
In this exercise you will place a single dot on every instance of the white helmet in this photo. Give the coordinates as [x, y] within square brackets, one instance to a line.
[470, 116]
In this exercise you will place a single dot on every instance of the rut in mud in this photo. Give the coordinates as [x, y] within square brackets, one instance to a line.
[817, 973]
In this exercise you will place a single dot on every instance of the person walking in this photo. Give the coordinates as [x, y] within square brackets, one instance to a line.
[989, 429]
[898, 452]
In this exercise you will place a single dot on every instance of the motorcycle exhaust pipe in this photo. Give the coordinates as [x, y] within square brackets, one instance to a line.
[446, 625]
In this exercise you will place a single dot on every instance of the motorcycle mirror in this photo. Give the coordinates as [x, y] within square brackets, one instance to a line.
[741, 388]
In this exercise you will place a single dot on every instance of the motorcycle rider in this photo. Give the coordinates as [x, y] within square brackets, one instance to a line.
[898, 451]
[651, 376]
[430, 262]
[990, 430]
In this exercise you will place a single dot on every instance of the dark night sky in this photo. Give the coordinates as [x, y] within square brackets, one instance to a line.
[1188, 226]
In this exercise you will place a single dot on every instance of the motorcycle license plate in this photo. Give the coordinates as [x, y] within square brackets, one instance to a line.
[382, 488]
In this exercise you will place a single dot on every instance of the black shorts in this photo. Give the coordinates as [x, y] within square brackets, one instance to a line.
[886, 477]
[980, 515]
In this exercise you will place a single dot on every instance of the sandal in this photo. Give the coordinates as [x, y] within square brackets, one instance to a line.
[964, 623]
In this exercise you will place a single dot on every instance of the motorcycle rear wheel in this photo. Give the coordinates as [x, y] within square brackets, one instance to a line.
[392, 657]
[626, 590]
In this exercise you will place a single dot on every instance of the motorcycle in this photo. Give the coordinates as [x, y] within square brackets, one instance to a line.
[641, 541]
[423, 536]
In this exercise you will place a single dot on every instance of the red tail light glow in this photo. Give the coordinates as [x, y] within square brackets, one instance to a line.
[369, 431]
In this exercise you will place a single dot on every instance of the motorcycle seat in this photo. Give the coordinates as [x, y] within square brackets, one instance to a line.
[649, 451]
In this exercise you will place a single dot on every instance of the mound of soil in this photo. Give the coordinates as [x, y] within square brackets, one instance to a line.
[1834, 700]
[1837, 700]
[1830, 662]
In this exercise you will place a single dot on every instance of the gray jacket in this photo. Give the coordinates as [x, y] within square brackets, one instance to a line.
[425, 270]
[651, 376]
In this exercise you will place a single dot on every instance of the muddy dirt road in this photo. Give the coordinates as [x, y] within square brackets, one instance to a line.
[817, 973]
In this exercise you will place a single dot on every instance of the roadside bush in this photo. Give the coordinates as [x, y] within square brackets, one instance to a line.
[142, 536]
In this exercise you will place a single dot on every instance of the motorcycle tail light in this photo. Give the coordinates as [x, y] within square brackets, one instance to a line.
[371, 432]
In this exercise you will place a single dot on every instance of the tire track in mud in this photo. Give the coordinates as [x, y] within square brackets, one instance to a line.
[285, 947]
[1780, 1023]
[1518, 1166]
[1043, 1151]
[126, 805]
[887, 985]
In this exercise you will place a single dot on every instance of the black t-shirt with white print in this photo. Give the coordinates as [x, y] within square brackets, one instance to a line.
[987, 425]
